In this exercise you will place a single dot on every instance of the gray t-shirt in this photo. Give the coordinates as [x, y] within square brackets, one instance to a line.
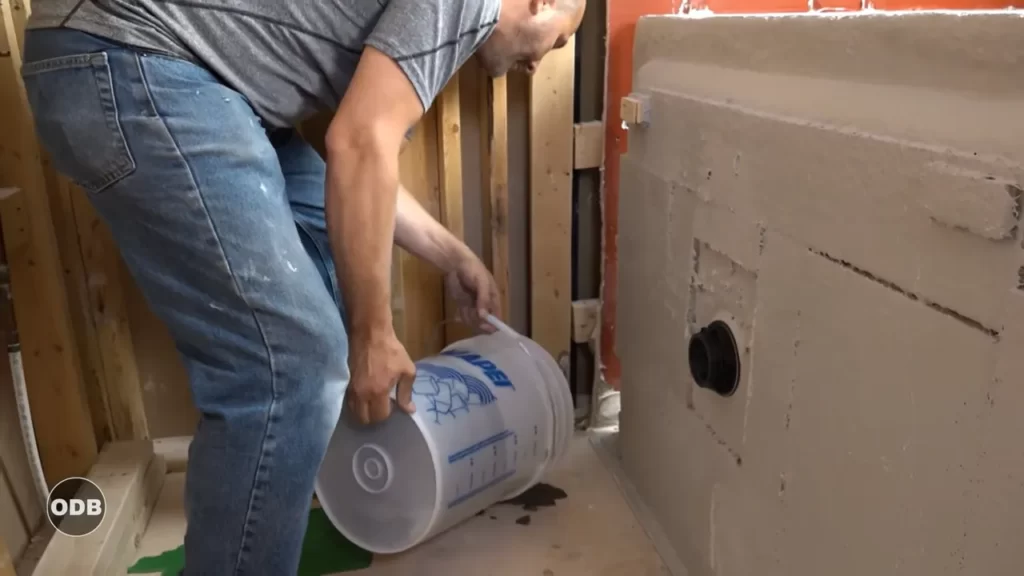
[290, 58]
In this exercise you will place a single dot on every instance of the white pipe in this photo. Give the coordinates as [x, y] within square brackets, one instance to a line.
[28, 433]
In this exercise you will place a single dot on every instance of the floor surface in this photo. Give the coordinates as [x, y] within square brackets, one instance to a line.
[592, 532]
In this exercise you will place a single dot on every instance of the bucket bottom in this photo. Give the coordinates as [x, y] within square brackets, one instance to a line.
[377, 483]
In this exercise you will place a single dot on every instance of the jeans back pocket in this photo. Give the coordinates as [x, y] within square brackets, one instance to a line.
[75, 111]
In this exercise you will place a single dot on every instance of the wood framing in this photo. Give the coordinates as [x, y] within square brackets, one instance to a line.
[51, 356]
[421, 284]
[498, 195]
[107, 308]
[131, 477]
[453, 216]
[551, 169]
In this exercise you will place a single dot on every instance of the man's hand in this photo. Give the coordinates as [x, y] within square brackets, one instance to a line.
[378, 362]
[472, 287]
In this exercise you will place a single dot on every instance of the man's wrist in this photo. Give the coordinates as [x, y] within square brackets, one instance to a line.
[367, 325]
[455, 255]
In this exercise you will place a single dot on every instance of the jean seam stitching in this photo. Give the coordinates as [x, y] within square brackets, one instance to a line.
[57, 63]
[255, 317]
[113, 123]
[334, 284]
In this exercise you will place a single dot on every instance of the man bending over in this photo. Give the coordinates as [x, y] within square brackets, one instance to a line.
[270, 267]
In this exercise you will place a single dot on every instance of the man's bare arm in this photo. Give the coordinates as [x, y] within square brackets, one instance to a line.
[421, 234]
[363, 143]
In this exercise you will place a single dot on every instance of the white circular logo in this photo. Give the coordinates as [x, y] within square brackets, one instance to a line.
[76, 507]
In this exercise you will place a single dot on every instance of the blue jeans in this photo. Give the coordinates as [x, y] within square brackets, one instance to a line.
[221, 223]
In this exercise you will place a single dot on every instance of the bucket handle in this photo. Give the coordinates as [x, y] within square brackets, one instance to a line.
[501, 326]
[490, 318]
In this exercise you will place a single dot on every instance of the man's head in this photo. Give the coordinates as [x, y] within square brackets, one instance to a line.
[526, 31]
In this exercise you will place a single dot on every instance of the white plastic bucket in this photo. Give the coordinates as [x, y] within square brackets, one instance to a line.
[493, 414]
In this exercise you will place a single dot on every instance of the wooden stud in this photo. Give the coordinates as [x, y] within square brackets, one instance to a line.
[449, 142]
[422, 292]
[53, 368]
[131, 478]
[499, 190]
[551, 168]
[83, 323]
[588, 145]
[482, 84]
[102, 266]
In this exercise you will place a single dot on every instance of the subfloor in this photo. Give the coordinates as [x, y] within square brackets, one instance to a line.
[592, 532]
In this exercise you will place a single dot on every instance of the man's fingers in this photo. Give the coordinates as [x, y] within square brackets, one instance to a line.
[363, 410]
[380, 409]
[404, 395]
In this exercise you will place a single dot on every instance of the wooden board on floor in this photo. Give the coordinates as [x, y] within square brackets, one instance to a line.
[592, 531]
[551, 169]
[131, 478]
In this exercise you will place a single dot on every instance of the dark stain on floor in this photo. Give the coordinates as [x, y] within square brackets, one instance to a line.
[523, 520]
[540, 496]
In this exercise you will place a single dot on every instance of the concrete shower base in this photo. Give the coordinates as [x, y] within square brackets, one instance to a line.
[592, 532]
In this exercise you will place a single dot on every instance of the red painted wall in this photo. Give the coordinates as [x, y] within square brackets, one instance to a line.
[622, 18]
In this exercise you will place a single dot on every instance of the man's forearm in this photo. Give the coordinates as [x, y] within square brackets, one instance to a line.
[360, 208]
[420, 233]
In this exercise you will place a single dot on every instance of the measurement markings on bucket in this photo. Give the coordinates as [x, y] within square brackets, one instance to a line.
[483, 465]
[474, 492]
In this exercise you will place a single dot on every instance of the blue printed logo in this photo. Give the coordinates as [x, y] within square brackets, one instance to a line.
[449, 392]
[495, 374]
